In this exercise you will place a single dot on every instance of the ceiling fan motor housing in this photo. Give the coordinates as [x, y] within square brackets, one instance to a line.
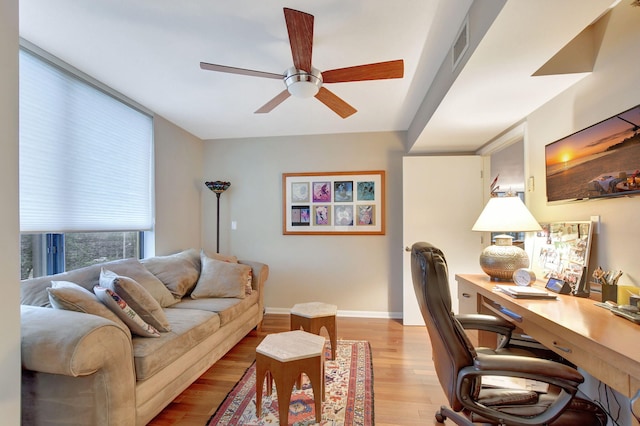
[303, 84]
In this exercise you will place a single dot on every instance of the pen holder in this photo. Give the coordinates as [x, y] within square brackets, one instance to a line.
[610, 292]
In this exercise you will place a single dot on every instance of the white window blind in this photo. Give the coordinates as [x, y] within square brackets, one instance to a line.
[85, 157]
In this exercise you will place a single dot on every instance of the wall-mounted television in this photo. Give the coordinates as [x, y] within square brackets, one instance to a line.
[602, 160]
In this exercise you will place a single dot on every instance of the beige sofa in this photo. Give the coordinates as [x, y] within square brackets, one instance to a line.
[85, 368]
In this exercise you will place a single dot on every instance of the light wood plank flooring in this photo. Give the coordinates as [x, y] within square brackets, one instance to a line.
[406, 389]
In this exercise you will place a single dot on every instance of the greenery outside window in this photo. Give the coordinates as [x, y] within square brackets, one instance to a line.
[47, 254]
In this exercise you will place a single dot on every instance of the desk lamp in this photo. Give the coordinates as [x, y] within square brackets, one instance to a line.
[504, 214]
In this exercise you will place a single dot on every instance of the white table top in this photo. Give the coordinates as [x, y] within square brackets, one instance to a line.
[314, 309]
[291, 345]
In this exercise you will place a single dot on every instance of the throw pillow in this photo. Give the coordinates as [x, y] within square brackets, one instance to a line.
[72, 297]
[221, 279]
[178, 272]
[136, 296]
[118, 306]
[135, 270]
[217, 256]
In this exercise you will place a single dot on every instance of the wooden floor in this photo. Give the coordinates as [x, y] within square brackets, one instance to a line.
[406, 389]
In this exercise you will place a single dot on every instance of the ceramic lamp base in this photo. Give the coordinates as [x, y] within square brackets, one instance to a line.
[501, 260]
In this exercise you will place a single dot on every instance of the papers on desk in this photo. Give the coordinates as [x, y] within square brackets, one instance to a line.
[525, 292]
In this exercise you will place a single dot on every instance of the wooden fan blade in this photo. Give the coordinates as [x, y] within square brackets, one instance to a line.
[300, 28]
[234, 70]
[273, 102]
[336, 104]
[377, 71]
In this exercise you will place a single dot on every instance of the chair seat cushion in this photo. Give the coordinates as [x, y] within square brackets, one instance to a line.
[578, 412]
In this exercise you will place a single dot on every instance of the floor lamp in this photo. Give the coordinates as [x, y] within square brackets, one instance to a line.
[218, 187]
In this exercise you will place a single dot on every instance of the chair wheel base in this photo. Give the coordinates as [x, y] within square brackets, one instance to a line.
[445, 413]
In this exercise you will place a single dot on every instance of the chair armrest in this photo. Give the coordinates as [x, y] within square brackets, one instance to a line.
[539, 369]
[485, 323]
[488, 323]
[564, 377]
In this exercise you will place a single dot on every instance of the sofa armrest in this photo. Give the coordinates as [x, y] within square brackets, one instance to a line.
[260, 272]
[75, 344]
[76, 368]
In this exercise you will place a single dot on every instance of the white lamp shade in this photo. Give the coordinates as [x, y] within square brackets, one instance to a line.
[506, 214]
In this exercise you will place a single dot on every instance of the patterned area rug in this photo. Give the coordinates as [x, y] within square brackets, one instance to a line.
[348, 394]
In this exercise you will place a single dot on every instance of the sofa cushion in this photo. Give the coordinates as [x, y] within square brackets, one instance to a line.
[118, 306]
[178, 272]
[72, 297]
[227, 308]
[33, 291]
[137, 297]
[189, 328]
[221, 279]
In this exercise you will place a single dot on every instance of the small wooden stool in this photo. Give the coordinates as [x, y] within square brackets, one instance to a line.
[283, 357]
[312, 317]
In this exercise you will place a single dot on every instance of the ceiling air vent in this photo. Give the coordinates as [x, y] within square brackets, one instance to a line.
[461, 44]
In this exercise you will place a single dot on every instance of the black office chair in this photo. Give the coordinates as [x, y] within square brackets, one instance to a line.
[460, 367]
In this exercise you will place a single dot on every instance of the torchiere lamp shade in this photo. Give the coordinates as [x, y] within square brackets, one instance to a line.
[218, 186]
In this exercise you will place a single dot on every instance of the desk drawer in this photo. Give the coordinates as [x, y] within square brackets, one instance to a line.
[607, 373]
[467, 298]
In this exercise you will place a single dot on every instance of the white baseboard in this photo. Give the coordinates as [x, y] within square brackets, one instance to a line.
[352, 314]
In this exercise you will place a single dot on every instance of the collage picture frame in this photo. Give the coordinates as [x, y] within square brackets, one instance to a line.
[332, 203]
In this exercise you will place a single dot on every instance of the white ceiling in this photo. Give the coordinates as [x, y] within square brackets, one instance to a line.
[150, 51]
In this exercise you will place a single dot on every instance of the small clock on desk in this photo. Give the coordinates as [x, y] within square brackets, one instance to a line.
[524, 277]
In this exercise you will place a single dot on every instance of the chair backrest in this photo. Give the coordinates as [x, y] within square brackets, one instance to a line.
[452, 350]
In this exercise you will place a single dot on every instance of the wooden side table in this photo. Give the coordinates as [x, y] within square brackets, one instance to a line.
[282, 358]
[312, 317]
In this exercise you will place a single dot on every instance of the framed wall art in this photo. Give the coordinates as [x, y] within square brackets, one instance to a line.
[333, 203]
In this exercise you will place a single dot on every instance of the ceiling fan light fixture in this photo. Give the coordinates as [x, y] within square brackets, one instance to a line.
[302, 84]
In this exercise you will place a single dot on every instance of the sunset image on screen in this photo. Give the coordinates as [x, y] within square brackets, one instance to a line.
[601, 160]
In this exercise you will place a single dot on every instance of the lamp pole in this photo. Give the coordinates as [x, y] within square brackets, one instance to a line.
[218, 187]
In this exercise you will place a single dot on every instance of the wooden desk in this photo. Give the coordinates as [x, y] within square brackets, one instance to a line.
[604, 345]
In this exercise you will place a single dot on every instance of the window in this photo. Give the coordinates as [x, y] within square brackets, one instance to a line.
[86, 170]
[47, 254]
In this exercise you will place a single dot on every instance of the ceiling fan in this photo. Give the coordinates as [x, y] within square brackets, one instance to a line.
[303, 80]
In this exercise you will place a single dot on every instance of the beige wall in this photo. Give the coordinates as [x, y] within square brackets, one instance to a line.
[178, 185]
[9, 222]
[357, 273]
[613, 87]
